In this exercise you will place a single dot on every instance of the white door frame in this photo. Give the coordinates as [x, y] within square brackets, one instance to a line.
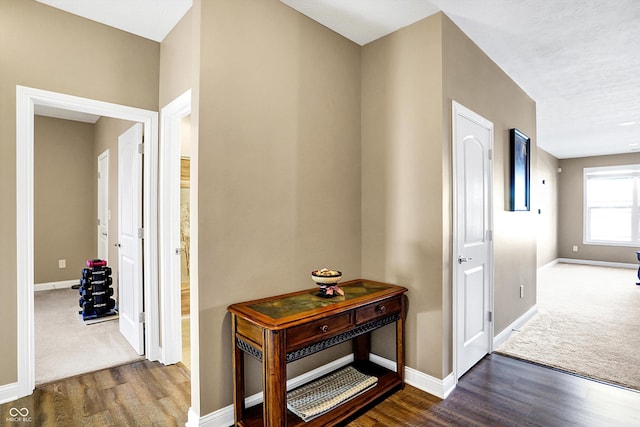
[169, 221]
[26, 100]
[458, 109]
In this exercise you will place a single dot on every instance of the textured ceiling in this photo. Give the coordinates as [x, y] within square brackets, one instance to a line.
[579, 60]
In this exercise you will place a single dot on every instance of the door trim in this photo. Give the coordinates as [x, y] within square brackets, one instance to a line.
[169, 221]
[26, 100]
[459, 110]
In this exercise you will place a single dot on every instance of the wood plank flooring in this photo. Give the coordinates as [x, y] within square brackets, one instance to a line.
[499, 391]
[138, 394]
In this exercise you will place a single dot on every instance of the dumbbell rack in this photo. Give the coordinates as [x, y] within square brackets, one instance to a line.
[96, 291]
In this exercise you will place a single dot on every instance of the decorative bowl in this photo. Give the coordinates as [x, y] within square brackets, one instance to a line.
[326, 276]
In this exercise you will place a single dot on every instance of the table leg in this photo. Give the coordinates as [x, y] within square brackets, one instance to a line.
[274, 380]
[238, 373]
[362, 347]
[400, 342]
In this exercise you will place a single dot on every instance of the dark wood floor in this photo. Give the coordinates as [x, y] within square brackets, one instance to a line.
[138, 394]
[499, 391]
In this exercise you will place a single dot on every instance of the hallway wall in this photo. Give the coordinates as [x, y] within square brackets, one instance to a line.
[64, 193]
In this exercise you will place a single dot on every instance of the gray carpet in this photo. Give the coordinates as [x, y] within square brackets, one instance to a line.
[65, 346]
[588, 323]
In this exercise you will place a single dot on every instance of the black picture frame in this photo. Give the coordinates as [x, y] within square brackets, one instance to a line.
[520, 182]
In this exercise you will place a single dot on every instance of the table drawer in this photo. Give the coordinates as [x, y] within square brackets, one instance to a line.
[378, 310]
[319, 329]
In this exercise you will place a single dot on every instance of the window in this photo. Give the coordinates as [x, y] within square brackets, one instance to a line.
[611, 205]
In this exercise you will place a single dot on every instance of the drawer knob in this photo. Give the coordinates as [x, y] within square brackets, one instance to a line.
[324, 328]
[381, 309]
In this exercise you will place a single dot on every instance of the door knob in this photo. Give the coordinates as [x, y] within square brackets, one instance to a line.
[462, 260]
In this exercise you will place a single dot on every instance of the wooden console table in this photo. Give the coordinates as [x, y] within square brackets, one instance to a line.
[285, 328]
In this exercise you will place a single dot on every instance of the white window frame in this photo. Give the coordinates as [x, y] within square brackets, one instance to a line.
[612, 171]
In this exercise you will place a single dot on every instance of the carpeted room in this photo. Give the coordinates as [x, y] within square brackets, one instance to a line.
[66, 345]
[587, 324]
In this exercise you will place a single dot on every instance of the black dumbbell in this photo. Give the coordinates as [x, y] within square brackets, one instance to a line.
[87, 307]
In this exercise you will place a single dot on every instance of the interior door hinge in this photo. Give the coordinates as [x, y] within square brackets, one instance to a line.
[491, 316]
[489, 235]
[141, 148]
[140, 233]
[141, 317]
[490, 154]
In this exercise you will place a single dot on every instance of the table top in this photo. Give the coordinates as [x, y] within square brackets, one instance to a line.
[280, 311]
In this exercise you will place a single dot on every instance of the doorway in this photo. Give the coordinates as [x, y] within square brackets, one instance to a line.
[185, 238]
[27, 100]
[69, 162]
[178, 224]
[472, 238]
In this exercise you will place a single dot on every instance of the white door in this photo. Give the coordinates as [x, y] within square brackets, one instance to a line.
[130, 241]
[473, 247]
[103, 205]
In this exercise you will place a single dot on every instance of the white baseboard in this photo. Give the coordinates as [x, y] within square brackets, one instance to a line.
[9, 392]
[549, 265]
[55, 285]
[224, 417]
[598, 263]
[419, 380]
[427, 383]
[499, 339]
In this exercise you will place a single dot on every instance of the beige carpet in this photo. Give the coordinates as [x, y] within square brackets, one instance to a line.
[588, 323]
[65, 346]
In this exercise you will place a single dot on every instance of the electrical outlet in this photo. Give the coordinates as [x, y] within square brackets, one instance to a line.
[521, 291]
[575, 248]
[62, 263]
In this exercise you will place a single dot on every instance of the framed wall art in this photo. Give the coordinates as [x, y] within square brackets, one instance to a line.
[520, 169]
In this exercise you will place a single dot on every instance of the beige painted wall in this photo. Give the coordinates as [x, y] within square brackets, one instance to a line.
[409, 81]
[64, 214]
[402, 180]
[49, 49]
[571, 211]
[176, 61]
[473, 80]
[547, 187]
[279, 167]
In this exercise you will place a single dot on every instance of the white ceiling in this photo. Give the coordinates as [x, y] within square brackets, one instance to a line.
[579, 60]
[151, 19]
